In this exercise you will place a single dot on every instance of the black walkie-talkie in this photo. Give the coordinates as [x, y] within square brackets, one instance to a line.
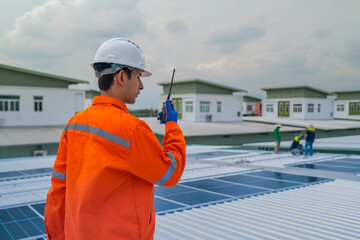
[163, 117]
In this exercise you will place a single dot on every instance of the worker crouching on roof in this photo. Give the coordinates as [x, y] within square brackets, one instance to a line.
[296, 148]
[108, 160]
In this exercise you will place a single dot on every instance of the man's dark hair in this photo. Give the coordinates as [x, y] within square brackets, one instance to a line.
[107, 80]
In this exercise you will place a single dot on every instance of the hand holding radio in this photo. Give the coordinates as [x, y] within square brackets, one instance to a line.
[171, 114]
[168, 112]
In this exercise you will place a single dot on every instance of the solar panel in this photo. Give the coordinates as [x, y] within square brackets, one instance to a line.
[319, 166]
[286, 176]
[24, 173]
[40, 208]
[197, 198]
[198, 156]
[162, 205]
[275, 185]
[205, 184]
[37, 171]
[240, 178]
[350, 160]
[235, 190]
[348, 165]
[10, 174]
[20, 222]
[166, 191]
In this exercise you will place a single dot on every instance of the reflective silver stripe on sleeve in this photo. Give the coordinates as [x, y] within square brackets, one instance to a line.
[170, 171]
[99, 132]
[58, 175]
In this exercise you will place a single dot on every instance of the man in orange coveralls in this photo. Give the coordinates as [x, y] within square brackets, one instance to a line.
[108, 160]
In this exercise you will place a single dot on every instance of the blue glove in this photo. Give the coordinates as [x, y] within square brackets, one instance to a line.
[160, 114]
[171, 114]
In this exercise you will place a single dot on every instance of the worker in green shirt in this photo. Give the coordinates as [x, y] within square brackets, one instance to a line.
[277, 137]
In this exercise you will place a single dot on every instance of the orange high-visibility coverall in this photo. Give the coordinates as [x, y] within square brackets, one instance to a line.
[104, 174]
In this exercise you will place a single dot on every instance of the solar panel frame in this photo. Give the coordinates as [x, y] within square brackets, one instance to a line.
[214, 154]
[21, 222]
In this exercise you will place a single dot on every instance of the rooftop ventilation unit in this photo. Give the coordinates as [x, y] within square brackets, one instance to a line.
[41, 152]
[209, 118]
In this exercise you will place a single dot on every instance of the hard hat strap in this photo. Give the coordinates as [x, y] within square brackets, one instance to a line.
[114, 69]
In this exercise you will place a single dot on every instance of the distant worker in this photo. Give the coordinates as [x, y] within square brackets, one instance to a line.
[108, 160]
[277, 137]
[309, 138]
[296, 148]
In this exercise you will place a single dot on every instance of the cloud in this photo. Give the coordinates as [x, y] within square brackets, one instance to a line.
[321, 33]
[351, 54]
[236, 35]
[57, 29]
[176, 26]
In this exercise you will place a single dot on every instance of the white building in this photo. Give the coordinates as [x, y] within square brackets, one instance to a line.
[250, 105]
[200, 101]
[30, 98]
[347, 103]
[90, 94]
[299, 102]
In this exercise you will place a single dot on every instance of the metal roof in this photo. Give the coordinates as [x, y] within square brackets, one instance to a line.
[294, 87]
[248, 98]
[47, 75]
[324, 211]
[196, 80]
[329, 210]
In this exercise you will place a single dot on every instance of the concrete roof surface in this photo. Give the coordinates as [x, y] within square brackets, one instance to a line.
[318, 124]
[335, 142]
[216, 128]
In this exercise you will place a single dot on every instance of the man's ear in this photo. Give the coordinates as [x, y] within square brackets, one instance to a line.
[119, 77]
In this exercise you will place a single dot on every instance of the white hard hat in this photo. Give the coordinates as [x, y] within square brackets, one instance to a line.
[121, 51]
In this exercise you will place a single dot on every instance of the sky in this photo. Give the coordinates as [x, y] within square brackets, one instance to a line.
[246, 44]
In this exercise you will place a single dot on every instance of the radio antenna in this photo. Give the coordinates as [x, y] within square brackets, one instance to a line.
[172, 79]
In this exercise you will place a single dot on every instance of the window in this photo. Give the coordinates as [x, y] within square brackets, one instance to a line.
[218, 106]
[351, 107]
[310, 108]
[297, 108]
[269, 108]
[189, 106]
[204, 106]
[249, 107]
[340, 107]
[38, 103]
[357, 107]
[319, 107]
[286, 107]
[239, 114]
[280, 108]
[9, 103]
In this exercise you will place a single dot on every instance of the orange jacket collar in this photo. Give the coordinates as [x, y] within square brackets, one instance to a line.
[110, 100]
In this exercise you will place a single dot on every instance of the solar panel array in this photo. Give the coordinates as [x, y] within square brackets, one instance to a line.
[22, 222]
[348, 165]
[197, 193]
[25, 173]
[28, 220]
